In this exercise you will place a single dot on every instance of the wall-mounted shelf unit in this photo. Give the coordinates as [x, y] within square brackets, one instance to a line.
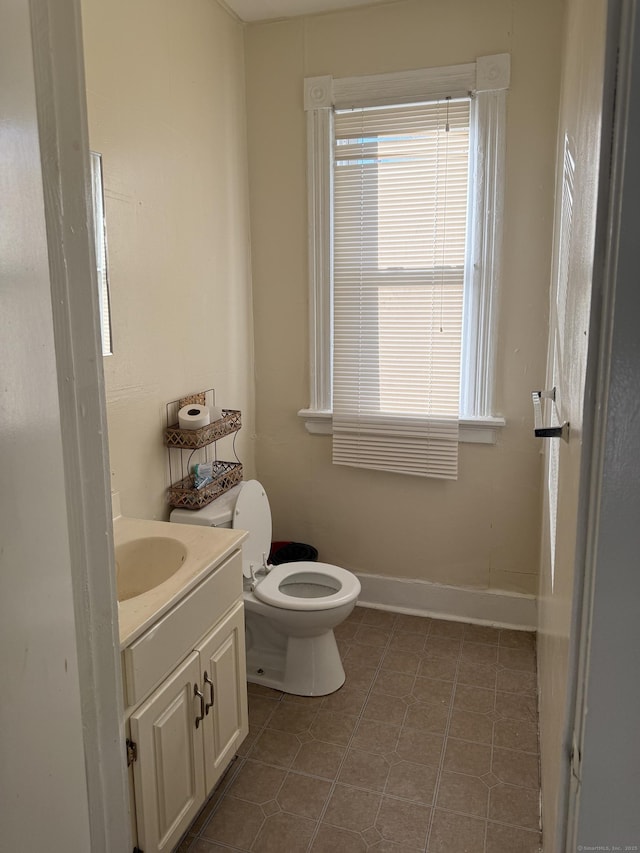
[183, 445]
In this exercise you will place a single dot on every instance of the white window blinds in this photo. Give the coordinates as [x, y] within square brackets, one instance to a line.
[400, 216]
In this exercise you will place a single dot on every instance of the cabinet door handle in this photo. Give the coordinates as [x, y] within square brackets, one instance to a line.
[208, 681]
[197, 693]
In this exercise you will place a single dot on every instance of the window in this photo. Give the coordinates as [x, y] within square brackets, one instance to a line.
[380, 149]
[100, 235]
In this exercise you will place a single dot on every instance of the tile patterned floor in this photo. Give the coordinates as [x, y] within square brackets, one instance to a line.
[431, 745]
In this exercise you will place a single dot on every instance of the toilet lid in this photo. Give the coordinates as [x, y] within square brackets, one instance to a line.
[252, 513]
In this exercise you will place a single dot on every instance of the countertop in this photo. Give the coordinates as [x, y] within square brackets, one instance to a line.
[207, 547]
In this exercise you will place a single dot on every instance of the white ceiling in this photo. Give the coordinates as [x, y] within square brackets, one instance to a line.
[263, 10]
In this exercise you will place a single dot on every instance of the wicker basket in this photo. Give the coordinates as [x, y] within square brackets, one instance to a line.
[183, 495]
[192, 439]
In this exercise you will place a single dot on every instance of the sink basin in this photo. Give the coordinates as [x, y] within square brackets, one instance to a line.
[144, 563]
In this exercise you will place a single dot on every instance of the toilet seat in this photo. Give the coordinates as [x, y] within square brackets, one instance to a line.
[342, 586]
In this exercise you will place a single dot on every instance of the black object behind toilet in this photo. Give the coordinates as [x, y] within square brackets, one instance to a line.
[292, 552]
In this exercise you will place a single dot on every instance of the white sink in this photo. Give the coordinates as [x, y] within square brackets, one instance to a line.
[158, 563]
[146, 562]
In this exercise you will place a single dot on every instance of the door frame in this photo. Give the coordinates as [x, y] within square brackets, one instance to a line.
[56, 35]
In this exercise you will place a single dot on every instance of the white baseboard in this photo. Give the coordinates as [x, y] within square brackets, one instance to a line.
[460, 604]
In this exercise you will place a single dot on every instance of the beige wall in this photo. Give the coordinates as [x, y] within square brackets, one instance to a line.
[579, 121]
[483, 530]
[165, 89]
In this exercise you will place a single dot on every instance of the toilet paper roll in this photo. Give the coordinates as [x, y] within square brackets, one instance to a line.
[215, 413]
[193, 417]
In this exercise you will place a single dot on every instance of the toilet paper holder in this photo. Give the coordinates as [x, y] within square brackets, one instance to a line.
[539, 430]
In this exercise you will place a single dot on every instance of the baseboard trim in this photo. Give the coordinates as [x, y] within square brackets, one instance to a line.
[459, 604]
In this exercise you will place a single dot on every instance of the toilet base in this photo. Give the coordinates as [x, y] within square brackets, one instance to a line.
[304, 666]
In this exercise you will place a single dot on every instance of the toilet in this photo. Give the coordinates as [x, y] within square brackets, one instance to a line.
[290, 609]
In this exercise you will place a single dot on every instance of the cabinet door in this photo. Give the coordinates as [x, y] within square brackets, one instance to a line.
[224, 680]
[169, 771]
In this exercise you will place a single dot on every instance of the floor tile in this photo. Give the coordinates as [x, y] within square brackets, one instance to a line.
[478, 653]
[346, 631]
[375, 736]
[257, 782]
[516, 706]
[402, 822]
[475, 699]
[261, 708]
[331, 839]
[442, 647]
[510, 839]
[235, 822]
[393, 683]
[390, 709]
[261, 690]
[361, 655]
[332, 727]
[461, 756]
[279, 748]
[522, 659]
[437, 667]
[516, 768]
[516, 734]
[309, 701]
[384, 619]
[351, 808]
[407, 624]
[199, 845]
[515, 681]
[482, 634]
[284, 832]
[460, 793]
[428, 716]
[446, 628]
[517, 639]
[454, 833]
[420, 747]
[400, 660]
[408, 642]
[368, 636]
[433, 690]
[477, 674]
[412, 782]
[359, 677]
[356, 614]
[320, 759]
[345, 701]
[514, 805]
[364, 770]
[293, 718]
[467, 725]
[430, 745]
[303, 795]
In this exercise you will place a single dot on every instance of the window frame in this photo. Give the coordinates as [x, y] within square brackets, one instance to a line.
[487, 80]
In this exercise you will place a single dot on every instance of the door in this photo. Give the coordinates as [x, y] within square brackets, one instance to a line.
[169, 771]
[569, 315]
[606, 776]
[584, 134]
[222, 662]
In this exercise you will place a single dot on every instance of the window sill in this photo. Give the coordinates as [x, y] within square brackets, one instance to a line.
[472, 430]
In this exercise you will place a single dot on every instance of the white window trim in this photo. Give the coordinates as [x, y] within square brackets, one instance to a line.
[488, 80]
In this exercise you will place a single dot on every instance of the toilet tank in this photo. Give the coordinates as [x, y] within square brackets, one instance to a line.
[218, 513]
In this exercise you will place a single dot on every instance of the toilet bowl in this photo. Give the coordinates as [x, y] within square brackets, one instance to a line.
[290, 609]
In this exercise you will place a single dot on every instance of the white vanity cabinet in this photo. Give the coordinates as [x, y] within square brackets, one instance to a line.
[186, 729]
